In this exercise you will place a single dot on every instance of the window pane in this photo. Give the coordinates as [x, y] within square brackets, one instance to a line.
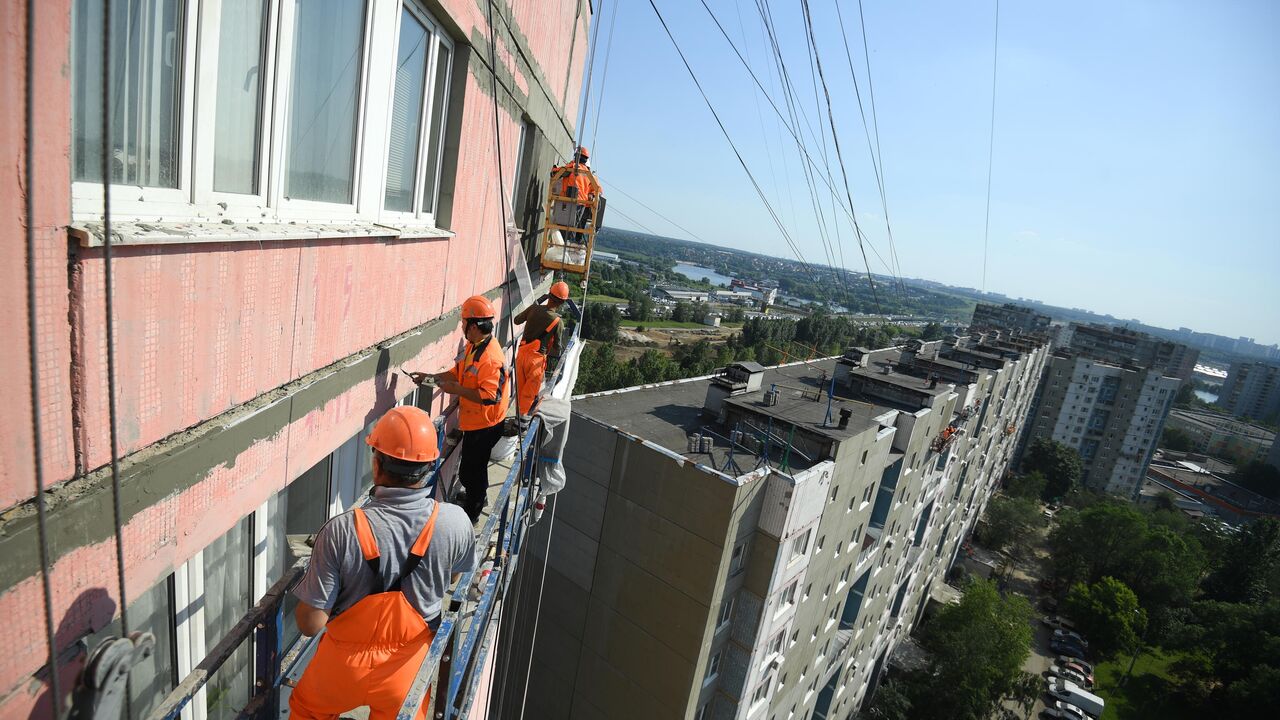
[145, 89]
[438, 93]
[406, 112]
[294, 513]
[226, 600]
[239, 101]
[327, 50]
[152, 678]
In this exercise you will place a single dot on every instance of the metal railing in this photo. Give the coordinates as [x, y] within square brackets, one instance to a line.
[459, 650]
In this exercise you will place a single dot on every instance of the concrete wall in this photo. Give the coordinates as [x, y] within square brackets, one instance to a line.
[239, 365]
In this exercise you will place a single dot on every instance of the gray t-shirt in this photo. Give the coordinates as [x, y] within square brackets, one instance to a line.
[338, 576]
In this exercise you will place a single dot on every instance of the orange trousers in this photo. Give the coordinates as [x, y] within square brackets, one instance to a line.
[531, 368]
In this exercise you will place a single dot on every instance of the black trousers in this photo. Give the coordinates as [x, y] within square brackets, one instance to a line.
[473, 470]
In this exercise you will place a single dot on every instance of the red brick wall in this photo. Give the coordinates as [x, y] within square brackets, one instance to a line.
[202, 329]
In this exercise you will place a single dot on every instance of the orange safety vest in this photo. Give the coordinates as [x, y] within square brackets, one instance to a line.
[370, 654]
[575, 178]
[531, 368]
[484, 368]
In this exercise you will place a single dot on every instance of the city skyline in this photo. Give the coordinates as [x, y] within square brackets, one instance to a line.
[1133, 157]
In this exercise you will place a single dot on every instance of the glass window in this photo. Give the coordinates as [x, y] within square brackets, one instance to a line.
[413, 52]
[237, 117]
[145, 89]
[713, 666]
[293, 514]
[153, 677]
[226, 600]
[439, 93]
[327, 59]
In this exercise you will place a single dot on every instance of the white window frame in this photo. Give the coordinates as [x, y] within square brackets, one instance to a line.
[713, 668]
[438, 38]
[726, 614]
[195, 200]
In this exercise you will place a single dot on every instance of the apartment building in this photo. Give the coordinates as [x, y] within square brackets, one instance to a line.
[1223, 436]
[1009, 316]
[1252, 389]
[756, 543]
[1120, 346]
[1112, 415]
[303, 193]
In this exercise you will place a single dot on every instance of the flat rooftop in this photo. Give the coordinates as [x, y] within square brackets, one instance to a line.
[667, 414]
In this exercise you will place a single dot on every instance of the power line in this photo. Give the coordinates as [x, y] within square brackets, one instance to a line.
[808, 19]
[604, 76]
[877, 161]
[991, 144]
[800, 145]
[768, 206]
[686, 230]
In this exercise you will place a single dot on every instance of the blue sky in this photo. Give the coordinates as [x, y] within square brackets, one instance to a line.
[1136, 162]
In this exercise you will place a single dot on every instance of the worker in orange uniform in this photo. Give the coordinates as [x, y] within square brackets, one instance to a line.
[376, 579]
[479, 379]
[541, 340]
[578, 183]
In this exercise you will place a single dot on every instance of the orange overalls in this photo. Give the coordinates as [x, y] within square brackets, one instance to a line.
[370, 654]
[531, 368]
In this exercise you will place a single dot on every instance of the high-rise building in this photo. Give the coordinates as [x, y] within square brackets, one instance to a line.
[303, 194]
[1120, 346]
[756, 544]
[1112, 415]
[1252, 389]
[1009, 316]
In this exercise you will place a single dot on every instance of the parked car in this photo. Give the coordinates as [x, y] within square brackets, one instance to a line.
[1057, 622]
[1069, 660]
[1068, 673]
[1088, 676]
[1069, 636]
[1069, 692]
[1064, 710]
[1066, 647]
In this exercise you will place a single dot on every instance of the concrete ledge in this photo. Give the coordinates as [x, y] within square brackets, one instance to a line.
[90, 234]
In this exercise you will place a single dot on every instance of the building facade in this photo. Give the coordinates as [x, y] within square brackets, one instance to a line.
[1112, 415]
[1121, 346]
[1223, 436]
[1009, 316]
[303, 193]
[1252, 389]
[756, 544]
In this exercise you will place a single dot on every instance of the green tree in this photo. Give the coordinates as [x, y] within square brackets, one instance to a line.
[640, 308]
[1007, 521]
[1026, 690]
[1247, 564]
[892, 701]
[932, 331]
[1026, 485]
[1257, 694]
[600, 322]
[1059, 464]
[1260, 477]
[1107, 612]
[977, 648]
[1176, 439]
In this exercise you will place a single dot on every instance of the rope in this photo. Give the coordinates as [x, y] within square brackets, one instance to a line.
[33, 358]
[991, 144]
[533, 641]
[604, 76]
[109, 310]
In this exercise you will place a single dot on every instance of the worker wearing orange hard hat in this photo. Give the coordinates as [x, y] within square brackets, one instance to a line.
[540, 343]
[376, 579]
[579, 184]
[479, 379]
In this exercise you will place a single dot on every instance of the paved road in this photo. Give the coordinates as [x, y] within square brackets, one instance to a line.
[1024, 578]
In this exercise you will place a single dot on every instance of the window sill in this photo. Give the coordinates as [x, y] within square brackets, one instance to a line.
[136, 232]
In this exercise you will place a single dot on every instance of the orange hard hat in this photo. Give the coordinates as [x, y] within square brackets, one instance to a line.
[405, 433]
[477, 307]
[582, 150]
[560, 290]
